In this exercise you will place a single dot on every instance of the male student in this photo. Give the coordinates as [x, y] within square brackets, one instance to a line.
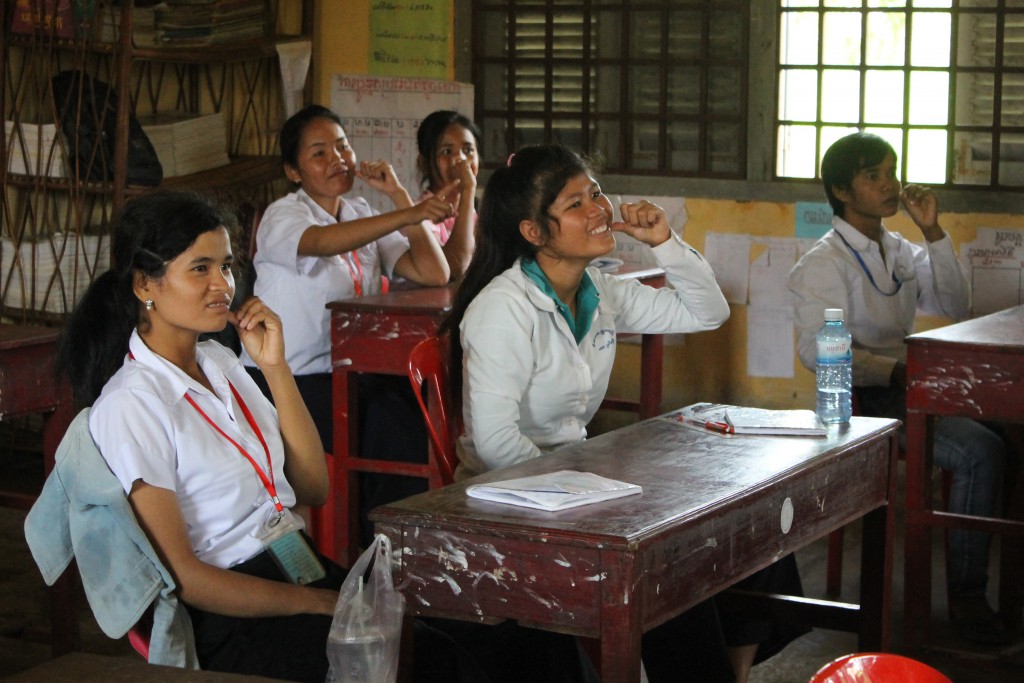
[881, 280]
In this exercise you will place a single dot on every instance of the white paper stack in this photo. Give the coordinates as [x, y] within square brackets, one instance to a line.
[51, 275]
[34, 149]
[554, 491]
[187, 143]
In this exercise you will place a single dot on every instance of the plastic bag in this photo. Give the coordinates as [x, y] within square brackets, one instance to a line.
[363, 643]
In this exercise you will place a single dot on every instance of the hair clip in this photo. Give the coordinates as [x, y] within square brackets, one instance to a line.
[510, 158]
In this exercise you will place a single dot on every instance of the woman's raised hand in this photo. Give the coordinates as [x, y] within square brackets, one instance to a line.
[379, 175]
[260, 332]
[644, 221]
[439, 206]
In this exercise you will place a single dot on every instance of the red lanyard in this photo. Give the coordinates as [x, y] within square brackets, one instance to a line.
[268, 482]
[357, 282]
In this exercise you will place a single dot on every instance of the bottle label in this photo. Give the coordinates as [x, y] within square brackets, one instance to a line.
[833, 351]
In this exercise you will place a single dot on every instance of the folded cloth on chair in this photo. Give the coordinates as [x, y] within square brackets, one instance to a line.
[83, 513]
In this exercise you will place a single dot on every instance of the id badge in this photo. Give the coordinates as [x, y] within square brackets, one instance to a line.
[289, 549]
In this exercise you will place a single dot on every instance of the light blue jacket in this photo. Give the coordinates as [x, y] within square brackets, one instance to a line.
[83, 513]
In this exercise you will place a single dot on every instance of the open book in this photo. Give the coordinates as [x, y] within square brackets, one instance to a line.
[554, 491]
[727, 419]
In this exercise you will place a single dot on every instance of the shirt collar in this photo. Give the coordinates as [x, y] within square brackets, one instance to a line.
[587, 298]
[346, 211]
[171, 382]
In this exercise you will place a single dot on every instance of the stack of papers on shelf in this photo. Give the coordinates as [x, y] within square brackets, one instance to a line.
[52, 274]
[34, 149]
[187, 143]
[727, 419]
[554, 491]
[209, 22]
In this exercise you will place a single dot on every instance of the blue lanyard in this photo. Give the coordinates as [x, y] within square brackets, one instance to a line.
[864, 267]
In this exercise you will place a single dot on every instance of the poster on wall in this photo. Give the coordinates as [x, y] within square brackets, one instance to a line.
[410, 37]
[994, 264]
[381, 116]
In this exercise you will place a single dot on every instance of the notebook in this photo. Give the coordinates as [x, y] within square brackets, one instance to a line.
[554, 491]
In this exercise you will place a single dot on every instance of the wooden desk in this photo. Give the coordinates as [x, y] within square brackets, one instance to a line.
[974, 369]
[374, 334]
[713, 511]
[28, 386]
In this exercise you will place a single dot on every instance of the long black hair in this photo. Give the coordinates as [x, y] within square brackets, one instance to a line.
[524, 189]
[429, 134]
[152, 231]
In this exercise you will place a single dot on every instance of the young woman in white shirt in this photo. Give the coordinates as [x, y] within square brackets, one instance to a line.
[533, 340]
[210, 467]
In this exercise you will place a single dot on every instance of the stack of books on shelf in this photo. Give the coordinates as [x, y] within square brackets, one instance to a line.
[34, 149]
[51, 275]
[108, 24]
[209, 22]
[187, 143]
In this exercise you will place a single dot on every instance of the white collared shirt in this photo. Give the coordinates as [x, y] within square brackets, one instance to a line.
[298, 288]
[146, 429]
[528, 387]
[830, 276]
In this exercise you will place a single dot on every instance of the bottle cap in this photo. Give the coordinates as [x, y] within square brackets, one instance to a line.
[834, 314]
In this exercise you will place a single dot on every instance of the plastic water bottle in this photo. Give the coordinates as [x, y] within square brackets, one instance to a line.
[834, 369]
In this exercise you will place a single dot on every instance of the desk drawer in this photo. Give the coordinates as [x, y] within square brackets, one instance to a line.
[749, 534]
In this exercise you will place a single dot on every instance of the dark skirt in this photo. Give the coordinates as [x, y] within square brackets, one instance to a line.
[294, 648]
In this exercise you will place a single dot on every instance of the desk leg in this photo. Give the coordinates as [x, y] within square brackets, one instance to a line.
[652, 357]
[621, 625]
[879, 530]
[343, 504]
[917, 576]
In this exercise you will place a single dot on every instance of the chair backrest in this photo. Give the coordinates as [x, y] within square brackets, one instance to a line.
[428, 363]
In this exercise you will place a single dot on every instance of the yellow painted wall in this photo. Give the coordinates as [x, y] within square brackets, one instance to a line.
[711, 366]
[706, 367]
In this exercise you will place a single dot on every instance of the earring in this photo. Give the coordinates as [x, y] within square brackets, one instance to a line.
[149, 304]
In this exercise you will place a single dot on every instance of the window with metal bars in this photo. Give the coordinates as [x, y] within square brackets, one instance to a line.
[942, 80]
[657, 87]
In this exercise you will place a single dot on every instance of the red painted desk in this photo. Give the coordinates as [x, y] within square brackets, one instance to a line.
[974, 369]
[375, 334]
[714, 509]
[28, 386]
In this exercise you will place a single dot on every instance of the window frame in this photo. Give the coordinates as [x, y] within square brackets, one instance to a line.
[762, 103]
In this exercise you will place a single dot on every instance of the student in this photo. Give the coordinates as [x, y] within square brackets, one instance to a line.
[449, 147]
[533, 336]
[209, 464]
[880, 279]
[315, 245]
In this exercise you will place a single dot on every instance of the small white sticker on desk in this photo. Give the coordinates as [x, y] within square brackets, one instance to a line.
[786, 520]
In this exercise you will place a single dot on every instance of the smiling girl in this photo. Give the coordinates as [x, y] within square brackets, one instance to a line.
[316, 245]
[537, 326]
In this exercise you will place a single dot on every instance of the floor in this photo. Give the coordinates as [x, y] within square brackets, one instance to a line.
[24, 622]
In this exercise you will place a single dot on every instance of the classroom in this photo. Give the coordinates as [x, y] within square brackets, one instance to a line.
[696, 134]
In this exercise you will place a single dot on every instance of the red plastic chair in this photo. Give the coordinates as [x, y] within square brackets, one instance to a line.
[140, 634]
[428, 363]
[874, 667]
